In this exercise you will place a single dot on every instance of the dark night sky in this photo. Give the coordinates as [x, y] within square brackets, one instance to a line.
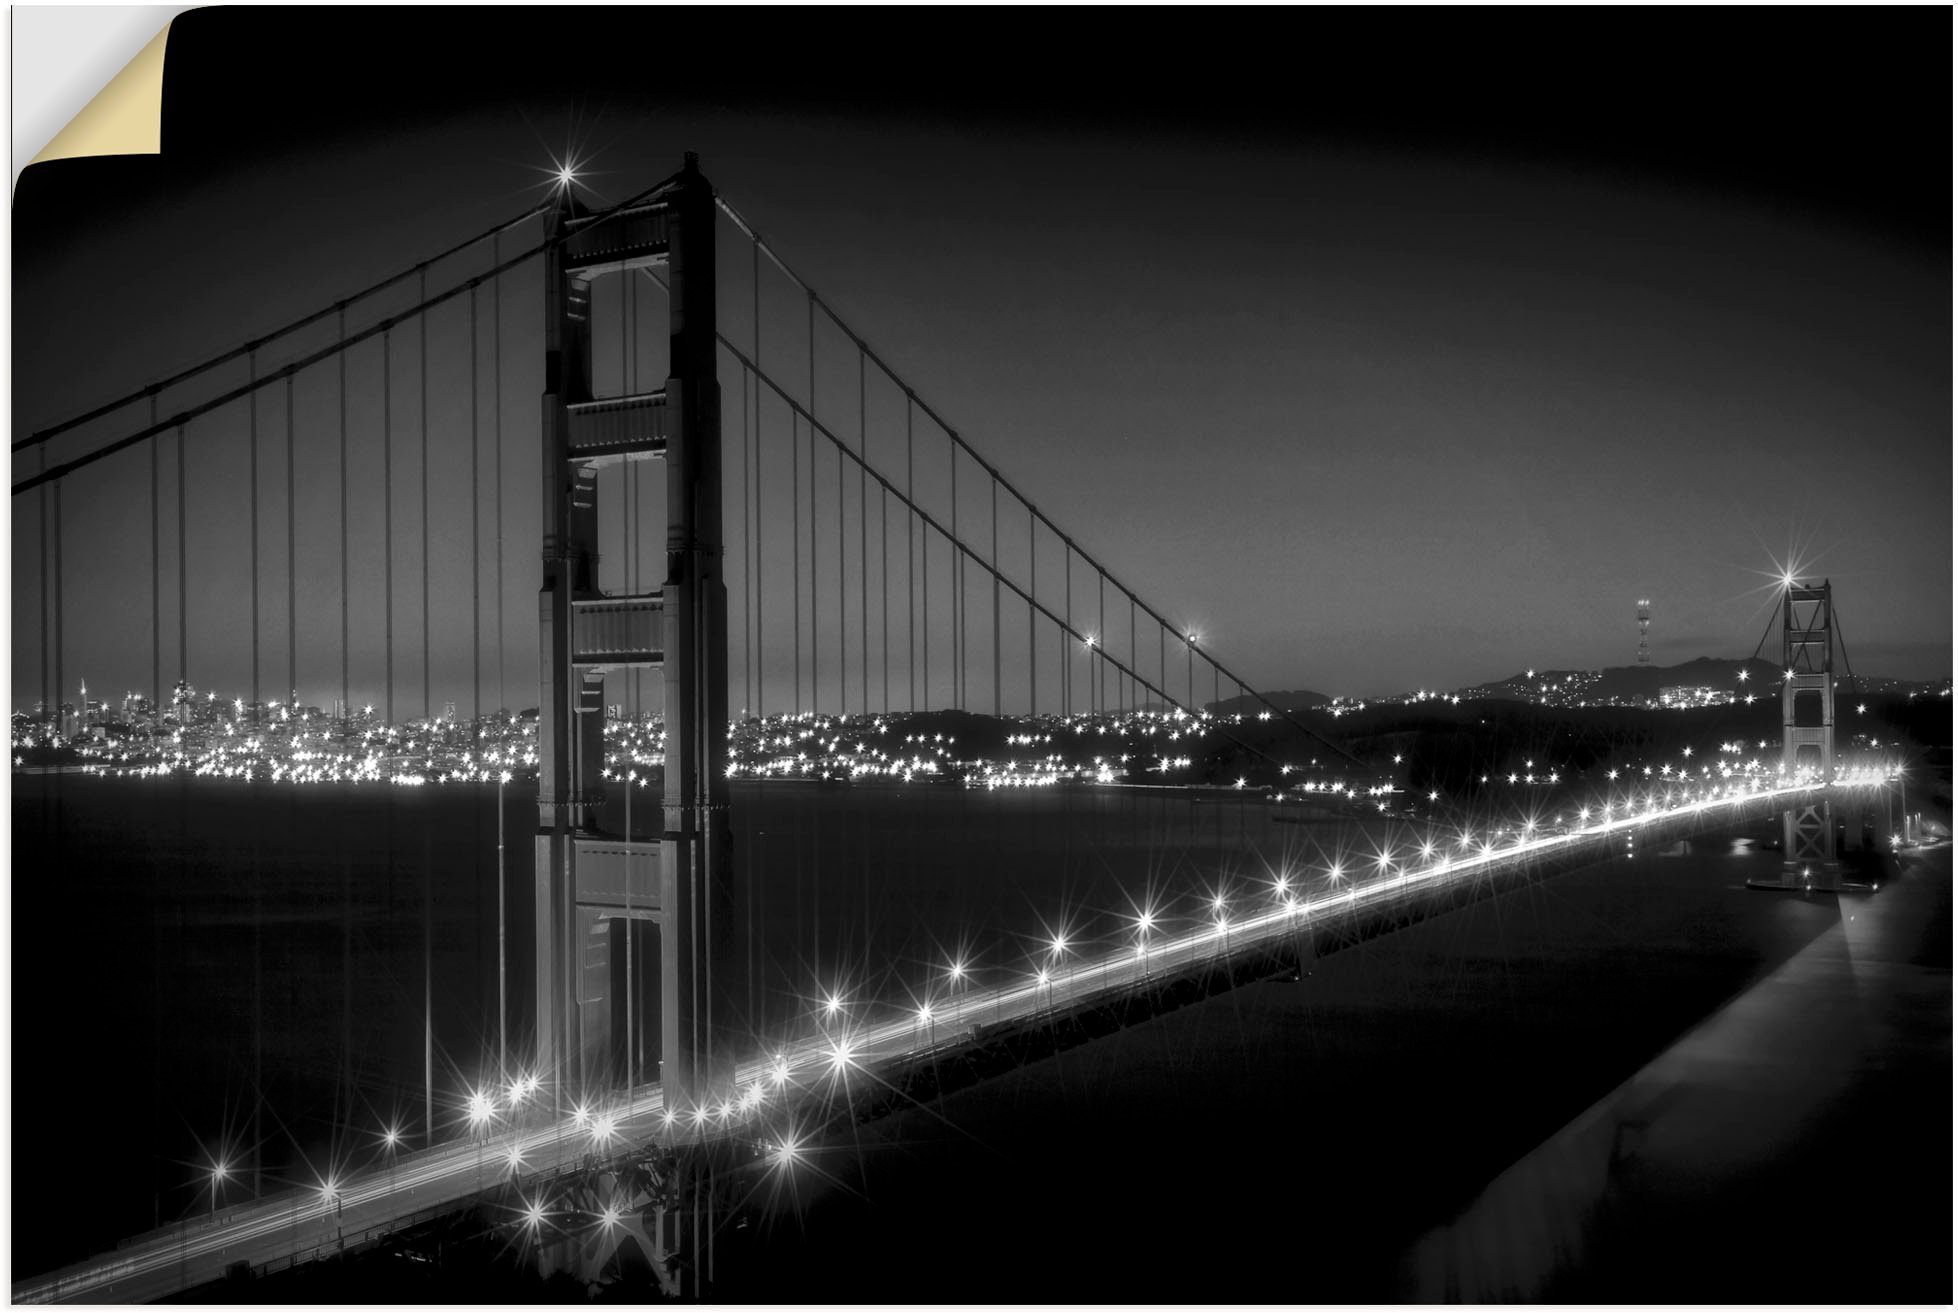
[1388, 348]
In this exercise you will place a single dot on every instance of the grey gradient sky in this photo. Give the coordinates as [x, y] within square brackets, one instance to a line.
[1388, 372]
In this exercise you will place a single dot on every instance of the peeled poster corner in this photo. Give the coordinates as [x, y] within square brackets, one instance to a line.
[125, 117]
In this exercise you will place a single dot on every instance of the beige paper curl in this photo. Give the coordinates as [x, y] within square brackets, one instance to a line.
[125, 117]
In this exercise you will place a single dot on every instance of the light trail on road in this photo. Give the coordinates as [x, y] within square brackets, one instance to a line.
[379, 1198]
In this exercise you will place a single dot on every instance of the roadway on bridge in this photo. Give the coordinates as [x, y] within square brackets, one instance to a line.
[303, 1223]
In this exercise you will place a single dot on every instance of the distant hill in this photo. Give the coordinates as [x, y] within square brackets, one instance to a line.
[1633, 684]
[1250, 704]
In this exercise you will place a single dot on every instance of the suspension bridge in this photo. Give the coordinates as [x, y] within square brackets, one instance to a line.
[849, 593]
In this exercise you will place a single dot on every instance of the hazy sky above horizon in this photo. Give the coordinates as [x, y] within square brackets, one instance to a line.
[1388, 361]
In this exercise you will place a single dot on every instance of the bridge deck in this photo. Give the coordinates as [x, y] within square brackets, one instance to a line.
[300, 1224]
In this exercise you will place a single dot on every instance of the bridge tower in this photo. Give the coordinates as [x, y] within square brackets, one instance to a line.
[591, 885]
[1808, 735]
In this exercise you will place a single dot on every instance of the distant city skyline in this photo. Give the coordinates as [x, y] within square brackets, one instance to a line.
[1381, 399]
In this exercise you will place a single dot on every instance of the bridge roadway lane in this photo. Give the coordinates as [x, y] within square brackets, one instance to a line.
[301, 1224]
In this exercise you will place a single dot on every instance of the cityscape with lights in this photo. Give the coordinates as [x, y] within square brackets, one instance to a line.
[808, 687]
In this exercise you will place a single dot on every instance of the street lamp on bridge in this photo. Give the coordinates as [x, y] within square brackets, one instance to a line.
[391, 1143]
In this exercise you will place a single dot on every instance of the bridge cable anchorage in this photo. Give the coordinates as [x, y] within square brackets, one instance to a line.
[305, 362]
[306, 321]
[963, 551]
[748, 230]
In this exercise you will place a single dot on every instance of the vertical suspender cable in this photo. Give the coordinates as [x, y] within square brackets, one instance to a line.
[628, 506]
[884, 583]
[924, 564]
[475, 532]
[1033, 565]
[183, 572]
[496, 463]
[795, 550]
[815, 572]
[1067, 655]
[156, 589]
[292, 569]
[83, 710]
[958, 588]
[251, 438]
[863, 529]
[761, 674]
[754, 987]
[910, 559]
[999, 706]
[754, 288]
[421, 365]
[815, 586]
[747, 569]
[387, 514]
[50, 704]
[842, 605]
[346, 685]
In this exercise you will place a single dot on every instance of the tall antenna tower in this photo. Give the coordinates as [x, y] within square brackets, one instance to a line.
[1644, 628]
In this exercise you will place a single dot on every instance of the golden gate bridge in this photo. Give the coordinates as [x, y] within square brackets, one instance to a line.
[882, 573]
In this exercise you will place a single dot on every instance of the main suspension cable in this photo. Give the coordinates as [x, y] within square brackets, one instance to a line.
[748, 230]
[376, 329]
[257, 344]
